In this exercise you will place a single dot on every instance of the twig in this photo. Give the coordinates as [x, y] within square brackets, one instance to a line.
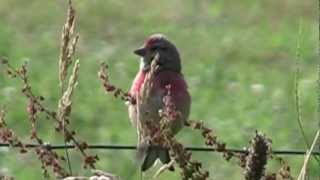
[46, 156]
[307, 157]
[67, 51]
[27, 91]
[297, 92]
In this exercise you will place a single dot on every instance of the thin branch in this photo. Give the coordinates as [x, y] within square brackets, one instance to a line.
[67, 51]
[69, 134]
[307, 157]
[297, 92]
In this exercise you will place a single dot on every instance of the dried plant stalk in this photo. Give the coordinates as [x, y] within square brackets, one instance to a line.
[257, 157]
[72, 47]
[302, 175]
[283, 173]
[109, 88]
[143, 99]
[65, 102]
[7, 135]
[46, 155]
[67, 51]
[37, 106]
[68, 45]
[147, 84]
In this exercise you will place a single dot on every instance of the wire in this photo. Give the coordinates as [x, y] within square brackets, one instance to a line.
[131, 147]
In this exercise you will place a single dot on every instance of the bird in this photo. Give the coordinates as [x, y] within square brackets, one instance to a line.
[158, 48]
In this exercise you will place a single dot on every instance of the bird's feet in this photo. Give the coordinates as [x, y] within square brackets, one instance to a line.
[164, 167]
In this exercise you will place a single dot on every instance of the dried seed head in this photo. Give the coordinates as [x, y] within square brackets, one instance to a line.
[109, 88]
[68, 45]
[257, 158]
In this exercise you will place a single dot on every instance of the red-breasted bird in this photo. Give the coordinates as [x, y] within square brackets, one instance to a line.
[168, 72]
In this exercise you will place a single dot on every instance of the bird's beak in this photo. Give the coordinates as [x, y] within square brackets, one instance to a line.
[141, 51]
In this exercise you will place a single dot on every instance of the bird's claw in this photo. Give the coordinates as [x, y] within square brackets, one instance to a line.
[164, 167]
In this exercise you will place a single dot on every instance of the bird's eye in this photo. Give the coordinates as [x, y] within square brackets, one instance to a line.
[153, 48]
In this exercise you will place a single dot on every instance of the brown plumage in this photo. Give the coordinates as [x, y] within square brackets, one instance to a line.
[168, 73]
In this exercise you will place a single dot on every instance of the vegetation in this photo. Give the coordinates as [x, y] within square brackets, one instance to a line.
[239, 59]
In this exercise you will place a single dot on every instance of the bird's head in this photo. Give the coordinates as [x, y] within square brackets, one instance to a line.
[159, 45]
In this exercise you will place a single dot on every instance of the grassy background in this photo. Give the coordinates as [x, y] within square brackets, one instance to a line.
[238, 58]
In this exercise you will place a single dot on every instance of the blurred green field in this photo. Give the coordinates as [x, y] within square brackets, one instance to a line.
[238, 57]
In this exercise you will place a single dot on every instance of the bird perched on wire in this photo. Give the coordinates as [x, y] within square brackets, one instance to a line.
[159, 51]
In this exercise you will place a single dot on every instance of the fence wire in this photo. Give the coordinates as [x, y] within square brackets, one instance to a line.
[132, 147]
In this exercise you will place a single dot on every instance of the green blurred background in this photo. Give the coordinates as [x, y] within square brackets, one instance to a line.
[238, 58]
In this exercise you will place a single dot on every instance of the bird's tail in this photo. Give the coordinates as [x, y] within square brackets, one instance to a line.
[148, 155]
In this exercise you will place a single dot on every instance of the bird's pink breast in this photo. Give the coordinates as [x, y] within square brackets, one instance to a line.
[161, 80]
[137, 83]
[179, 97]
